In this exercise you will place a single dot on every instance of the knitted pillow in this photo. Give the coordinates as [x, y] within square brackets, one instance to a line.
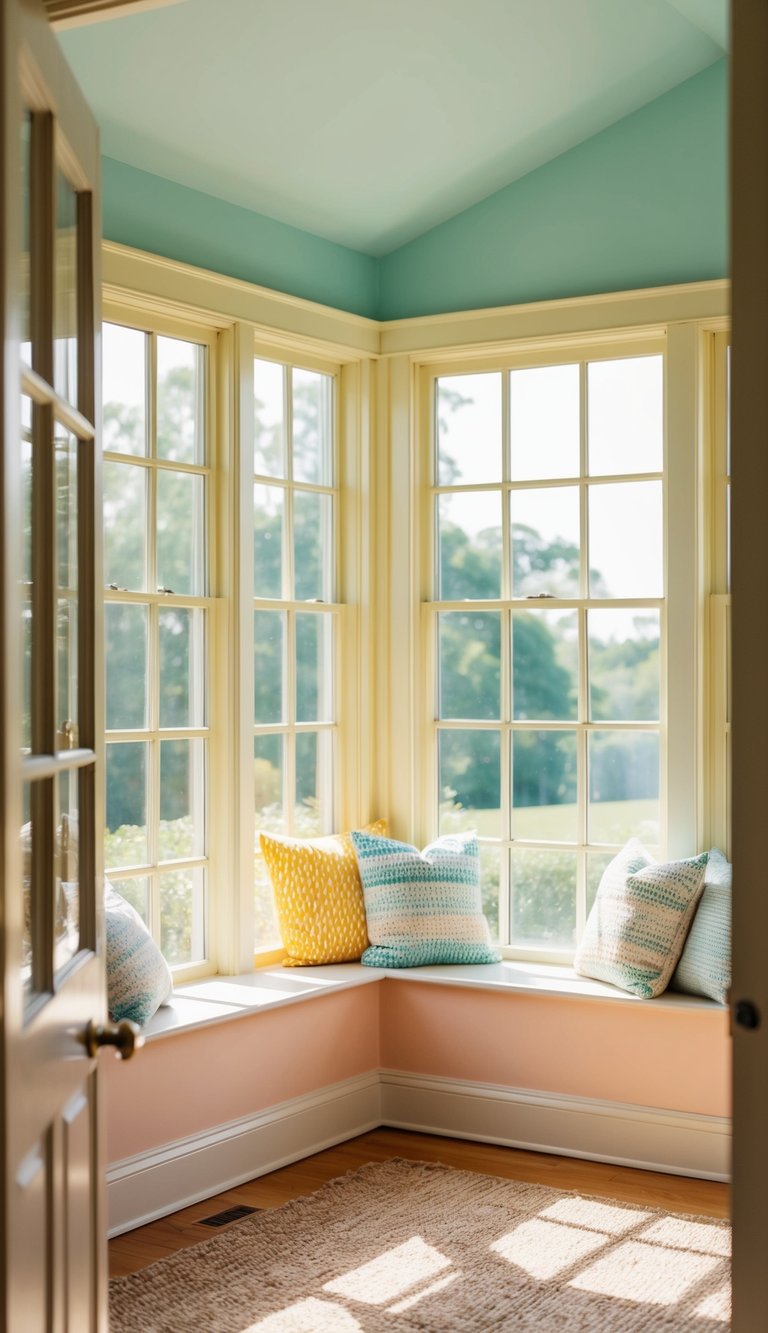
[705, 963]
[138, 977]
[318, 897]
[423, 907]
[639, 920]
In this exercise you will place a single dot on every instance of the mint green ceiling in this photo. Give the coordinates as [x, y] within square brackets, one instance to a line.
[367, 124]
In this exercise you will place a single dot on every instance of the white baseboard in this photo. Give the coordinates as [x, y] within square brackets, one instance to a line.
[162, 1180]
[640, 1136]
[154, 1183]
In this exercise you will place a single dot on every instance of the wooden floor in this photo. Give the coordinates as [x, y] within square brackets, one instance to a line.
[136, 1249]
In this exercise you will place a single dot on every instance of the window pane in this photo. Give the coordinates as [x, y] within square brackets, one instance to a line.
[180, 533]
[182, 916]
[313, 806]
[180, 401]
[269, 422]
[468, 429]
[136, 892]
[313, 562]
[623, 665]
[312, 435]
[314, 668]
[625, 540]
[125, 389]
[490, 879]
[268, 665]
[469, 545]
[623, 786]
[544, 805]
[544, 422]
[66, 919]
[470, 782]
[266, 929]
[268, 506]
[182, 667]
[626, 415]
[125, 629]
[268, 784]
[182, 800]
[596, 864]
[125, 840]
[125, 517]
[545, 541]
[545, 665]
[469, 664]
[543, 899]
[65, 291]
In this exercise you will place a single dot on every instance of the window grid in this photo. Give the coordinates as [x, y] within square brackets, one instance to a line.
[506, 605]
[152, 736]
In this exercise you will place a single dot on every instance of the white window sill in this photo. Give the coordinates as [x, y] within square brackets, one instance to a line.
[219, 999]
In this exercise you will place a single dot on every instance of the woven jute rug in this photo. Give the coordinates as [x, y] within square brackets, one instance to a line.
[409, 1245]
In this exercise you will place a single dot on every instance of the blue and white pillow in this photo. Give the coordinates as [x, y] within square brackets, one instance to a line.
[423, 907]
[705, 963]
[138, 977]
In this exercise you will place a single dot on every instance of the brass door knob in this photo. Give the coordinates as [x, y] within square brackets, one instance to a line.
[125, 1036]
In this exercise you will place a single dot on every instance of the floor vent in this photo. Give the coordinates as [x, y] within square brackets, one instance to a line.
[229, 1215]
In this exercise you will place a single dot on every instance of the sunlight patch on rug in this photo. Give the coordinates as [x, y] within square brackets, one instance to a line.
[390, 1274]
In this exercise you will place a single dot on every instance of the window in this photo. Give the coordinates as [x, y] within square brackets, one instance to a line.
[546, 627]
[720, 599]
[295, 610]
[157, 514]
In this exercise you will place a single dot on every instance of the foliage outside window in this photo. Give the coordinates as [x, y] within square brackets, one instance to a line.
[548, 623]
[156, 566]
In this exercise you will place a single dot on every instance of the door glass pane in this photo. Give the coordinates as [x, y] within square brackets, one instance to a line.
[180, 401]
[182, 667]
[182, 915]
[26, 573]
[313, 805]
[545, 665]
[65, 291]
[27, 844]
[314, 668]
[469, 545]
[544, 805]
[623, 665]
[626, 415]
[312, 433]
[125, 631]
[268, 665]
[66, 452]
[182, 800]
[542, 899]
[470, 782]
[545, 541]
[544, 422]
[623, 786]
[125, 839]
[66, 919]
[625, 540]
[268, 784]
[124, 389]
[468, 429]
[125, 521]
[25, 265]
[135, 890]
[469, 664]
[180, 533]
[269, 432]
[313, 563]
[268, 517]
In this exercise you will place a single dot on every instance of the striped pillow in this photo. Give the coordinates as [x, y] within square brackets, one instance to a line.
[138, 977]
[705, 964]
[637, 927]
[423, 907]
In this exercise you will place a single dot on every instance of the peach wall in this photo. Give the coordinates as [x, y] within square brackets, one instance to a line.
[675, 1059]
[183, 1084]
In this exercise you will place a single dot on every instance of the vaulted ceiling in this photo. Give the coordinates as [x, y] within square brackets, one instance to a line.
[368, 123]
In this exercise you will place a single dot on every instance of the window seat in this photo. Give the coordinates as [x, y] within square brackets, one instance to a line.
[219, 999]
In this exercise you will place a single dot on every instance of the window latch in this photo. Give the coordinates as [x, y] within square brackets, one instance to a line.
[115, 587]
[167, 591]
[538, 596]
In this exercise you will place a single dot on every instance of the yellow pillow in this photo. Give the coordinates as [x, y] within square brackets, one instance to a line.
[318, 896]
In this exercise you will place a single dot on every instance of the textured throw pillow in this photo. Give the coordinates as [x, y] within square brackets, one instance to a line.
[138, 978]
[423, 907]
[318, 897]
[637, 927]
[705, 963]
